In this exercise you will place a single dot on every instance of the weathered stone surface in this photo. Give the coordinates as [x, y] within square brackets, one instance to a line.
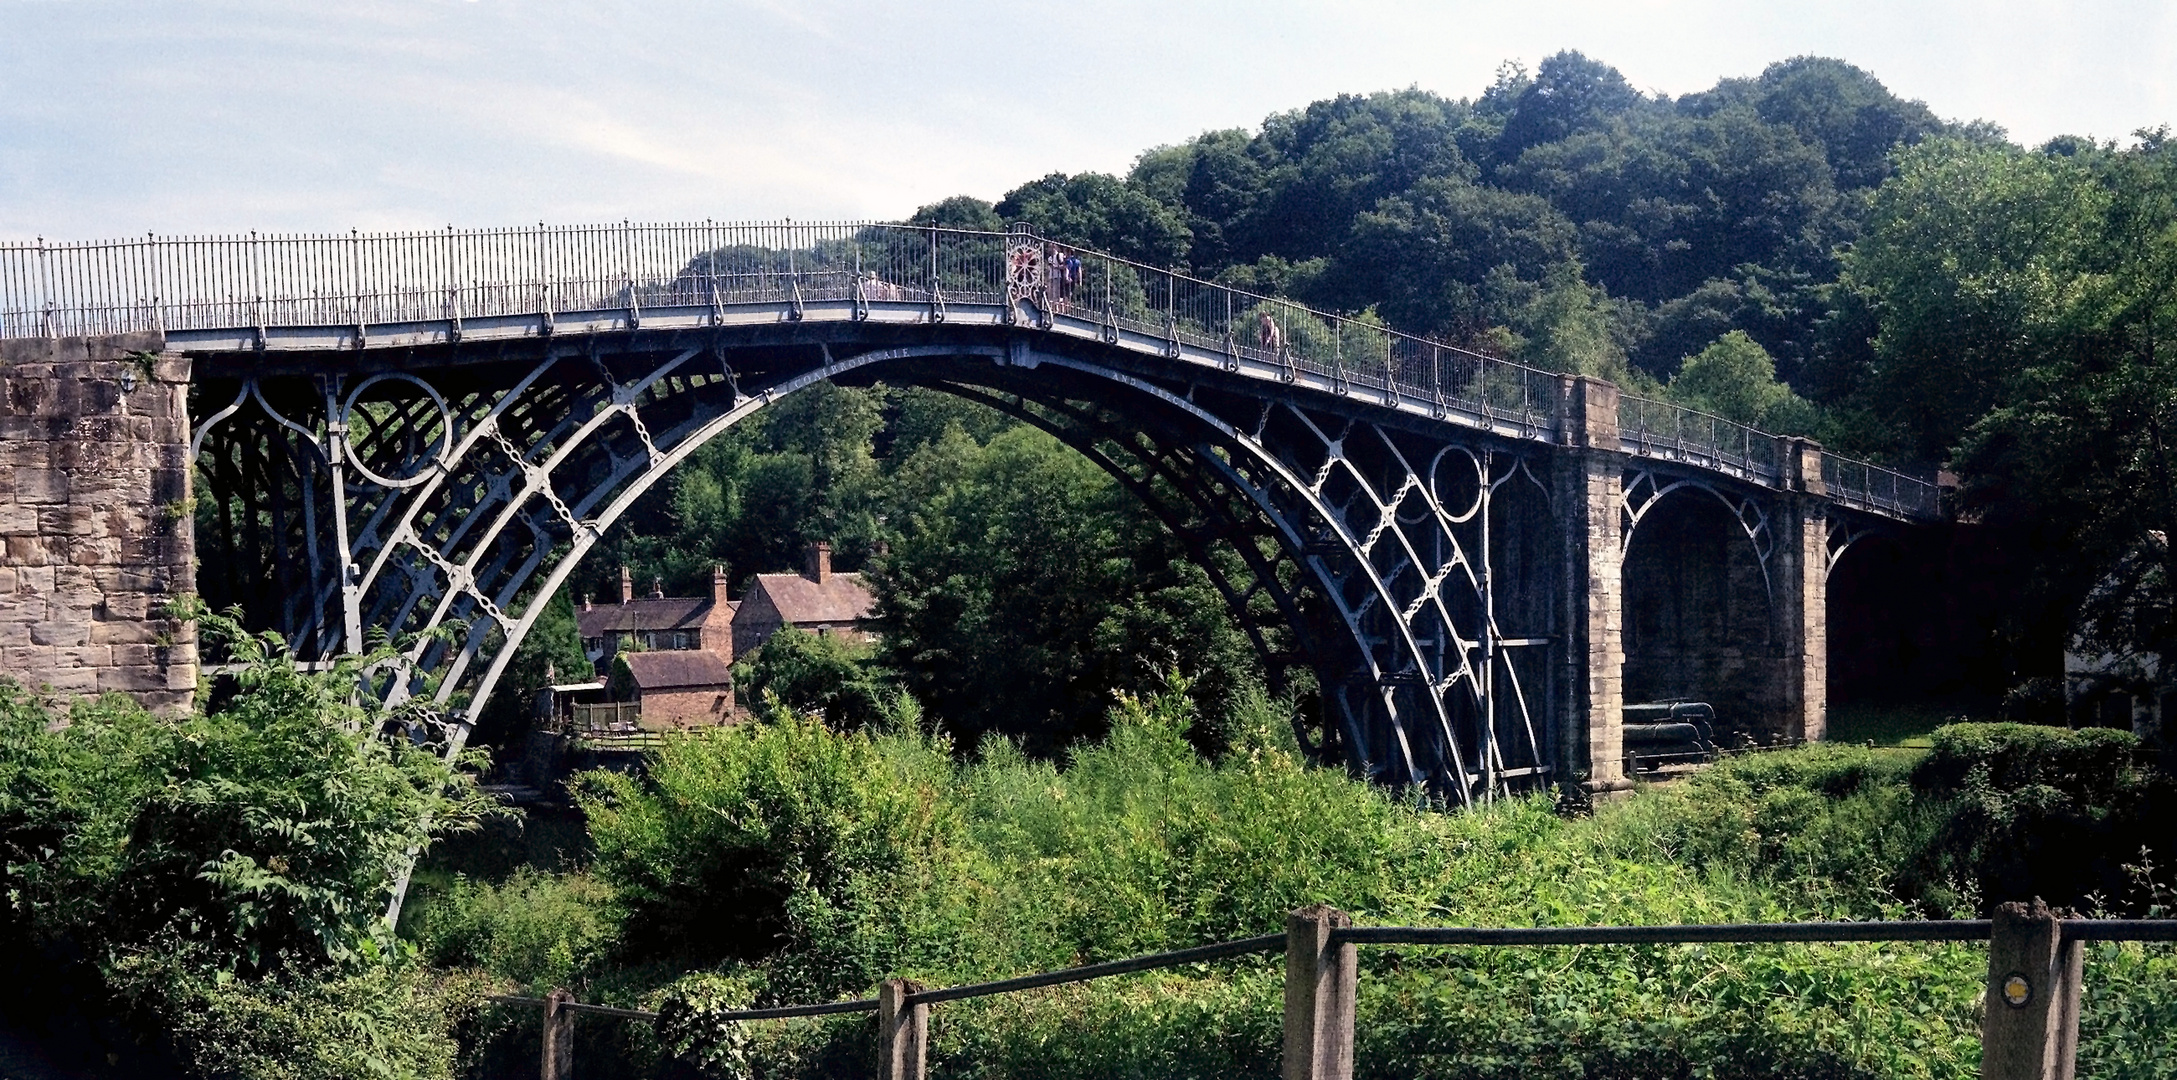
[90, 552]
[1589, 482]
[129, 680]
[61, 629]
[126, 630]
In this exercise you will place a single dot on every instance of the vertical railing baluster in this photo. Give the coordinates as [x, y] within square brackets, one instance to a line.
[45, 288]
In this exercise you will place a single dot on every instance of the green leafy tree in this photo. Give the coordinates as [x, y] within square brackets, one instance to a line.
[1569, 92]
[1324, 164]
[1026, 587]
[2079, 451]
[1735, 379]
[1100, 211]
[269, 830]
[816, 673]
[1426, 255]
[960, 212]
[1977, 258]
[225, 875]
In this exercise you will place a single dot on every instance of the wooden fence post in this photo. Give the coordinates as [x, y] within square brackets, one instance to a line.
[903, 1032]
[2030, 1019]
[1319, 989]
[558, 1036]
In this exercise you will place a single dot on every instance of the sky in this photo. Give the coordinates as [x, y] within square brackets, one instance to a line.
[120, 117]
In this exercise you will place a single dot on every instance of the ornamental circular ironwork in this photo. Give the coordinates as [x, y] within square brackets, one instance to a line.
[395, 431]
[1459, 487]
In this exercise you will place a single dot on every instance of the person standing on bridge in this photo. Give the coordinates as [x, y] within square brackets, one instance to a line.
[1272, 338]
[1055, 290]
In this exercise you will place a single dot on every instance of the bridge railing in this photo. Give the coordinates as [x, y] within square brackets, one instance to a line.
[1871, 487]
[364, 280]
[2029, 1019]
[1660, 429]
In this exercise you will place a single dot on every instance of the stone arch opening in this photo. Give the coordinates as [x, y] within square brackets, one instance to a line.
[1700, 615]
[1877, 642]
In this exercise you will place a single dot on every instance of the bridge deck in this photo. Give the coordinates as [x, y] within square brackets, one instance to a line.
[346, 294]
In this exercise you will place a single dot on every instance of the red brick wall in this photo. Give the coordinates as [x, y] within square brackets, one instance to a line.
[687, 708]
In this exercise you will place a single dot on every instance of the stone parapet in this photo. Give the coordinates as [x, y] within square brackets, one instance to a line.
[96, 527]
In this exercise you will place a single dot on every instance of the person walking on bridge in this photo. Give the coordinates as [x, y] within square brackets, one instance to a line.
[1272, 338]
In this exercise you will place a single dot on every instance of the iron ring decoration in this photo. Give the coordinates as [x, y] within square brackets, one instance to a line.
[1481, 483]
[445, 430]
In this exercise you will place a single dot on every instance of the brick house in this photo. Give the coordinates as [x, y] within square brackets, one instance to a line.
[657, 623]
[681, 688]
[817, 600]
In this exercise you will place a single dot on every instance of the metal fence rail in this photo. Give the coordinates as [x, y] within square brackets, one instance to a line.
[363, 280]
[1660, 429]
[1746, 933]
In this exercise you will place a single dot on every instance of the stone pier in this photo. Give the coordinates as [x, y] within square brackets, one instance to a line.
[96, 525]
[1589, 485]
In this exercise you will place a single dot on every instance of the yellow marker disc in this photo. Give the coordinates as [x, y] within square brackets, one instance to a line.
[2017, 991]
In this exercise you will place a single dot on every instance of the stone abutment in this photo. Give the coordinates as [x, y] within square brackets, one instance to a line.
[96, 529]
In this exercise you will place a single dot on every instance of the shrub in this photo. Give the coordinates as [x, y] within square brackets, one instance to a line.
[824, 674]
[839, 850]
[298, 1022]
[538, 930]
[225, 874]
[2038, 811]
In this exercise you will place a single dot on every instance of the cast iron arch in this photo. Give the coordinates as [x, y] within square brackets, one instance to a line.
[497, 495]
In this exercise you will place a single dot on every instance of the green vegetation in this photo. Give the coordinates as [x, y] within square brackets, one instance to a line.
[221, 879]
[785, 862]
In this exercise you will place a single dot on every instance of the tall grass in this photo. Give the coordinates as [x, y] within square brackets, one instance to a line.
[783, 862]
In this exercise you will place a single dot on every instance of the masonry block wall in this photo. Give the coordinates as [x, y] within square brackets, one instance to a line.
[1701, 623]
[96, 531]
[1589, 484]
[1803, 582]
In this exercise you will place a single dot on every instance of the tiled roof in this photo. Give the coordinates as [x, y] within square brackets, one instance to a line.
[678, 669]
[670, 613]
[842, 598]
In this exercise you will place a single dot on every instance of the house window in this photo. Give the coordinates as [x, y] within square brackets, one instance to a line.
[680, 639]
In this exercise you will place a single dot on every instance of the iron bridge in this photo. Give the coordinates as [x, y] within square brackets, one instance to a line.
[402, 433]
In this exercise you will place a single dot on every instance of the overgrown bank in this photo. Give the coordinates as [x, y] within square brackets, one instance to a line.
[783, 862]
[204, 894]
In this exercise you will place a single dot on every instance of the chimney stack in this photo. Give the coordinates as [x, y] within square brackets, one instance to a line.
[657, 588]
[586, 599]
[718, 585]
[820, 561]
[627, 585]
